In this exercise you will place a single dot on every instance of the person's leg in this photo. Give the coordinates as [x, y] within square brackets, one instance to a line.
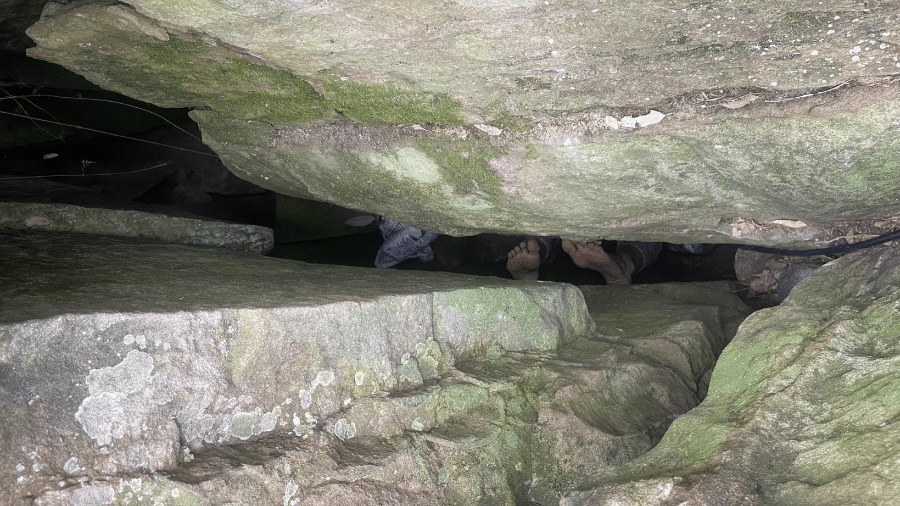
[402, 242]
[641, 254]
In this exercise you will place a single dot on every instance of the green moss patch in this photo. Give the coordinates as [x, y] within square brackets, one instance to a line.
[206, 75]
[464, 163]
[370, 103]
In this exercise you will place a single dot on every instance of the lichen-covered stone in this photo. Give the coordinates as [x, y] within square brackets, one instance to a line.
[136, 372]
[801, 408]
[200, 347]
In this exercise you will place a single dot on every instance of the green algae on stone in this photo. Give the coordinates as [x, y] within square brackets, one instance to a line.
[465, 164]
[230, 85]
[481, 316]
[387, 103]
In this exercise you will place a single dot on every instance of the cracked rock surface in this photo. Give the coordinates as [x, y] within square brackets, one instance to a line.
[801, 408]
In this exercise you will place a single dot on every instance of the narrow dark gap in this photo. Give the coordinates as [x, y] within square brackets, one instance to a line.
[452, 254]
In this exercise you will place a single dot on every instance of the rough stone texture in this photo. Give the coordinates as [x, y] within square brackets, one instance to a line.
[647, 316]
[89, 214]
[802, 408]
[463, 117]
[648, 362]
[151, 373]
[196, 347]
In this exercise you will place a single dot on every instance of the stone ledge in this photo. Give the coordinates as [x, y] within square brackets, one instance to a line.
[191, 231]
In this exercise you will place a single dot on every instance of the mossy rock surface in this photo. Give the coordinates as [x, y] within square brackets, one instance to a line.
[801, 405]
[521, 118]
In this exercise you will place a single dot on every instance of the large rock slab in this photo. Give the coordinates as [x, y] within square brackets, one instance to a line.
[130, 352]
[802, 406]
[527, 117]
[136, 372]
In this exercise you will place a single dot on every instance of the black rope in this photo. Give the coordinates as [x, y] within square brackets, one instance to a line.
[833, 250]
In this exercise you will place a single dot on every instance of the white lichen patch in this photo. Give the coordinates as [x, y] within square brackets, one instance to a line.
[305, 397]
[324, 378]
[408, 163]
[359, 378]
[343, 429]
[103, 417]
[116, 406]
[247, 424]
[289, 490]
[135, 484]
[71, 466]
[304, 427]
[131, 375]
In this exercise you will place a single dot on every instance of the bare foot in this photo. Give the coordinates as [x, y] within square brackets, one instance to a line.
[590, 255]
[524, 260]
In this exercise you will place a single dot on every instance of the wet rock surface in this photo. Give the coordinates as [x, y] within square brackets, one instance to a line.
[175, 374]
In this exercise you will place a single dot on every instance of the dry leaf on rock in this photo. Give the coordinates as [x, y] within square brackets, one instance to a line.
[37, 221]
[789, 223]
[740, 102]
[648, 119]
[488, 129]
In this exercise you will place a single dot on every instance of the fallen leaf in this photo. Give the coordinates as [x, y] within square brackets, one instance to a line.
[643, 120]
[740, 102]
[628, 122]
[488, 129]
[650, 118]
[789, 223]
[37, 221]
